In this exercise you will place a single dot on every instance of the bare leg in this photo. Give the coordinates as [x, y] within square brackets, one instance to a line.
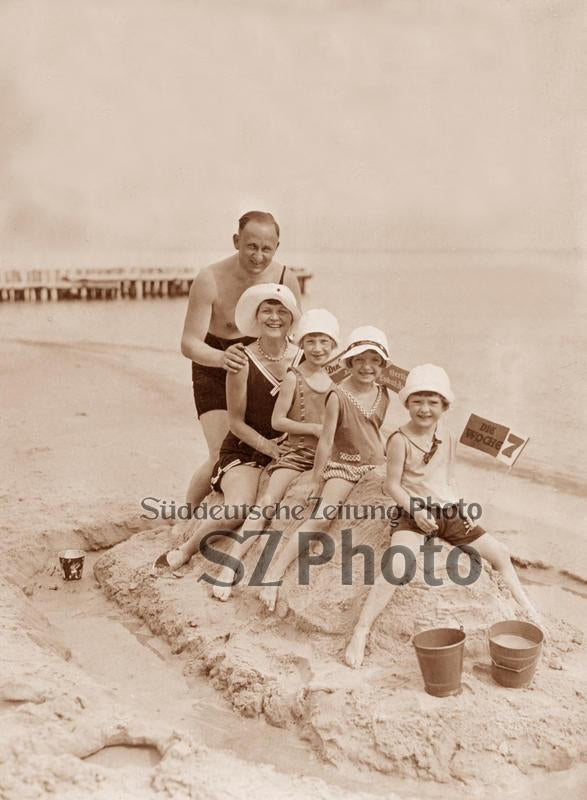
[334, 491]
[215, 427]
[498, 556]
[239, 486]
[276, 488]
[379, 596]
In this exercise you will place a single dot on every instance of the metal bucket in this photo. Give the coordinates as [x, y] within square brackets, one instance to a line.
[440, 656]
[72, 564]
[513, 663]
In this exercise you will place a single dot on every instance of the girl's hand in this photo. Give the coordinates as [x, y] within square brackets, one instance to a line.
[312, 492]
[273, 449]
[425, 521]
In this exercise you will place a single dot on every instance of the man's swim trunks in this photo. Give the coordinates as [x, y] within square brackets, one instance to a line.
[262, 390]
[210, 382]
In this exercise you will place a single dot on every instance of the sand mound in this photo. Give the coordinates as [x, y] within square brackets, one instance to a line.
[290, 668]
[55, 720]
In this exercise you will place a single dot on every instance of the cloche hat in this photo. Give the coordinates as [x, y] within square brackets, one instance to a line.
[366, 337]
[245, 313]
[427, 378]
[317, 320]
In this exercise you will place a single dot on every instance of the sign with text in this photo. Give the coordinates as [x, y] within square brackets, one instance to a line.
[491, 437]
[512, 448]
[336, 370]
[392, 376]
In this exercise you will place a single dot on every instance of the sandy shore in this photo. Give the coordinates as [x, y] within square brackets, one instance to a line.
[92, 429]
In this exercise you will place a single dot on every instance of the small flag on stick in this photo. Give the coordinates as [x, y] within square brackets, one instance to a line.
[392, 376]
[491, 437]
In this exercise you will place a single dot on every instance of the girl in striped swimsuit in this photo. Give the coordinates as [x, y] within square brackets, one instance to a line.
[350, 445]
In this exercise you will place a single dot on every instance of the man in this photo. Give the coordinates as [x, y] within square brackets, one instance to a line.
[211, 339]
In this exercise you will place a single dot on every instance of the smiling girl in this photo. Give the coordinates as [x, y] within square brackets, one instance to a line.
[350, 445]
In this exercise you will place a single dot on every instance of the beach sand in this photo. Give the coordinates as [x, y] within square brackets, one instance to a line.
[95, 421]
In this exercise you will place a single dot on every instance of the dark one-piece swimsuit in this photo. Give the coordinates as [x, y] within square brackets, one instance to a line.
[262, 391]
[209, 383]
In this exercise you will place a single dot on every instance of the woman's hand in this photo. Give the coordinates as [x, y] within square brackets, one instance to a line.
[272, 449]
[425, 521]
[234, 358]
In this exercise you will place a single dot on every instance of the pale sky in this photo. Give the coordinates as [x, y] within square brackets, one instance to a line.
[132, 127]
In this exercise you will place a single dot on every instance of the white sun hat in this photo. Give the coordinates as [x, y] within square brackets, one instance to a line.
[245, 313]
[427, 378]
[317, 320]
[367, 337]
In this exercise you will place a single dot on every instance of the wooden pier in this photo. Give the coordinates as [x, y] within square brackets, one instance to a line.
[109, 283]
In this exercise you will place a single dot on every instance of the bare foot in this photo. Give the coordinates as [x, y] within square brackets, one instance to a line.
[221, 592]
[268, 596]
[177, 558]
[355, 651]
[169, 561]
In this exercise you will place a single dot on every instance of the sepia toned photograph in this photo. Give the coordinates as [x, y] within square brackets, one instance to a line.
[293, 334]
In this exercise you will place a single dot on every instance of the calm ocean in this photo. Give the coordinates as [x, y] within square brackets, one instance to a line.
[508, 328]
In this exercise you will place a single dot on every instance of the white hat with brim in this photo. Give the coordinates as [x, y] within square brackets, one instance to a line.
[245, 313]
[317, 320]
[427, 378]
[367, 337]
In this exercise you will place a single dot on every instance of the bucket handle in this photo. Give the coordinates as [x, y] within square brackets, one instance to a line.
[509, 669]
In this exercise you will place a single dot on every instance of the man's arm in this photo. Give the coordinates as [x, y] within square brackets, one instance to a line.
[293, 283]
[197, 321]
[195, 328]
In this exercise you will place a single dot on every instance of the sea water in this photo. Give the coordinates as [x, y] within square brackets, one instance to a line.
[509, 328]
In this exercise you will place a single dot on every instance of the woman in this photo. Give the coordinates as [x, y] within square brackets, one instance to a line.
[267, 311]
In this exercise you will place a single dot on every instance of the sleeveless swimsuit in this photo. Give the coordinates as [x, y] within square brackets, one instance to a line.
[308, 405]
[357, 447]
[209, 383]
[262, 391]
[427, 477]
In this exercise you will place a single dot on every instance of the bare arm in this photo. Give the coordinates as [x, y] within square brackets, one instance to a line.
[396, 456]
[280, 421]
[195, 328]
[392, 416]
[324, 448]
[197, 321]
[452, 464]
[236, 402]
[293, 283]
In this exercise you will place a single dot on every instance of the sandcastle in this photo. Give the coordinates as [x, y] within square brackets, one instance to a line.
[289, 666]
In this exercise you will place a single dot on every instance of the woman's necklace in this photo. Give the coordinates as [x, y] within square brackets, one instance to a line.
[272, 358]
